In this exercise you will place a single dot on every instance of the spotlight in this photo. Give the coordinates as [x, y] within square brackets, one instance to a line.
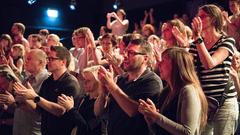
[52, 13]
[116, 4]
[73, 5]
[30, 2]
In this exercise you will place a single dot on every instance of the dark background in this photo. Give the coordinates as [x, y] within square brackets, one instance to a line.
[90, 13]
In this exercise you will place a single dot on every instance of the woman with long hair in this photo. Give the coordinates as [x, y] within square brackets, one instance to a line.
[182, 105]
[213, 53]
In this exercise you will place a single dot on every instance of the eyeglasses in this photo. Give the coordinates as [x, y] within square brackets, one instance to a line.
[132, 53]
[52, 59]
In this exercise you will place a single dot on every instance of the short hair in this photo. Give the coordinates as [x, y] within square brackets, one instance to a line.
[20, 26]
[128, 37]
[215, 14]
[44, 32]
[62, 53]
[37, 36]
[110, 36]
[40, 55]
[145, 48]
[149, 27]
[123, 13]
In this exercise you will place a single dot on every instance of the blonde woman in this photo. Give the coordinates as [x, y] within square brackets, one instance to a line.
[83, 114]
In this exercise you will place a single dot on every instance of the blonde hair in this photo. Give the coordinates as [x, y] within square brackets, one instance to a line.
[21, 49]
[92, 70]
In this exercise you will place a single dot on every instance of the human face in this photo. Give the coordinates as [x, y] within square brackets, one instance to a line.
[51, 41]
[32, 63]
[234, 7]
[80, 40]
[34, 43]
[106, 45]
[4, 42]
[134, 59]
[90, 84]
[206, 21]
[14, 30]
[54, 63]
[120, 15]
[167, 32]
[165, 68]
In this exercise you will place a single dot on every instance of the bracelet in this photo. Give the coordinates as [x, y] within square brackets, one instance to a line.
[198, 41]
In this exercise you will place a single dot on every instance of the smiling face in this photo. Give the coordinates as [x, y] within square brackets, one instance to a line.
[133, 58]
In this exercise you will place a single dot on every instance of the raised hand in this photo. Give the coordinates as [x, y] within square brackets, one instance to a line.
[180, 36]
[196, 27]
[107, 78]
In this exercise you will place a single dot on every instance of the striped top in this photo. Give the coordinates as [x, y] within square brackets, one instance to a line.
[214, 81]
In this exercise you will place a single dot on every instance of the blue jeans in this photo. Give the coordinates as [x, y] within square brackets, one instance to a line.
[225, 121]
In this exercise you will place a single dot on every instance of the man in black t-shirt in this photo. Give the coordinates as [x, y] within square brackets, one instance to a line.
[60, 82]
[137, 83]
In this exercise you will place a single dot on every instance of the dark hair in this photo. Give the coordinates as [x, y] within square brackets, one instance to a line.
[37, 36]
[128, 37]
[62, 53]
[112, 37]
[44, 32]
[145, 48]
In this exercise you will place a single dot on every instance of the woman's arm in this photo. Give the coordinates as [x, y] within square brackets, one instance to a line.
[189, 111]
[208, 61]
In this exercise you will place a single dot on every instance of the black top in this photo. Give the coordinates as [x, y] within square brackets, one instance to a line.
[83, 116]
[50, 90]
[146, 86]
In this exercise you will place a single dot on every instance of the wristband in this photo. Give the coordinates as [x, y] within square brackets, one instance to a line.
[198, 41]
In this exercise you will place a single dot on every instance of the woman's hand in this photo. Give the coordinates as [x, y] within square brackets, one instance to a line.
[196, 27]
[148, 109]
[66, 101]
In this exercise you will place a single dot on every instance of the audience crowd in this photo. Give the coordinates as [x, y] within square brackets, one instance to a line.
[181, 77]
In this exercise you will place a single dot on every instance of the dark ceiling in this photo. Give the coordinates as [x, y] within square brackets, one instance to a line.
[90, 13]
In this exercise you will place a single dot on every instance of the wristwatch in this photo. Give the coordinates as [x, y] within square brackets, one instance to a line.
[198, 41]
[36, 99]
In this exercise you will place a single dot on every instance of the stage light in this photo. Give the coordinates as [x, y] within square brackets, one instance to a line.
[30, 2]
[115, 7]
[116, 4]
[73, 5]
[52, 13]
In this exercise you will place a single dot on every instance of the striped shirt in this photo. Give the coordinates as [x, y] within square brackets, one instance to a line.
[214, 81]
